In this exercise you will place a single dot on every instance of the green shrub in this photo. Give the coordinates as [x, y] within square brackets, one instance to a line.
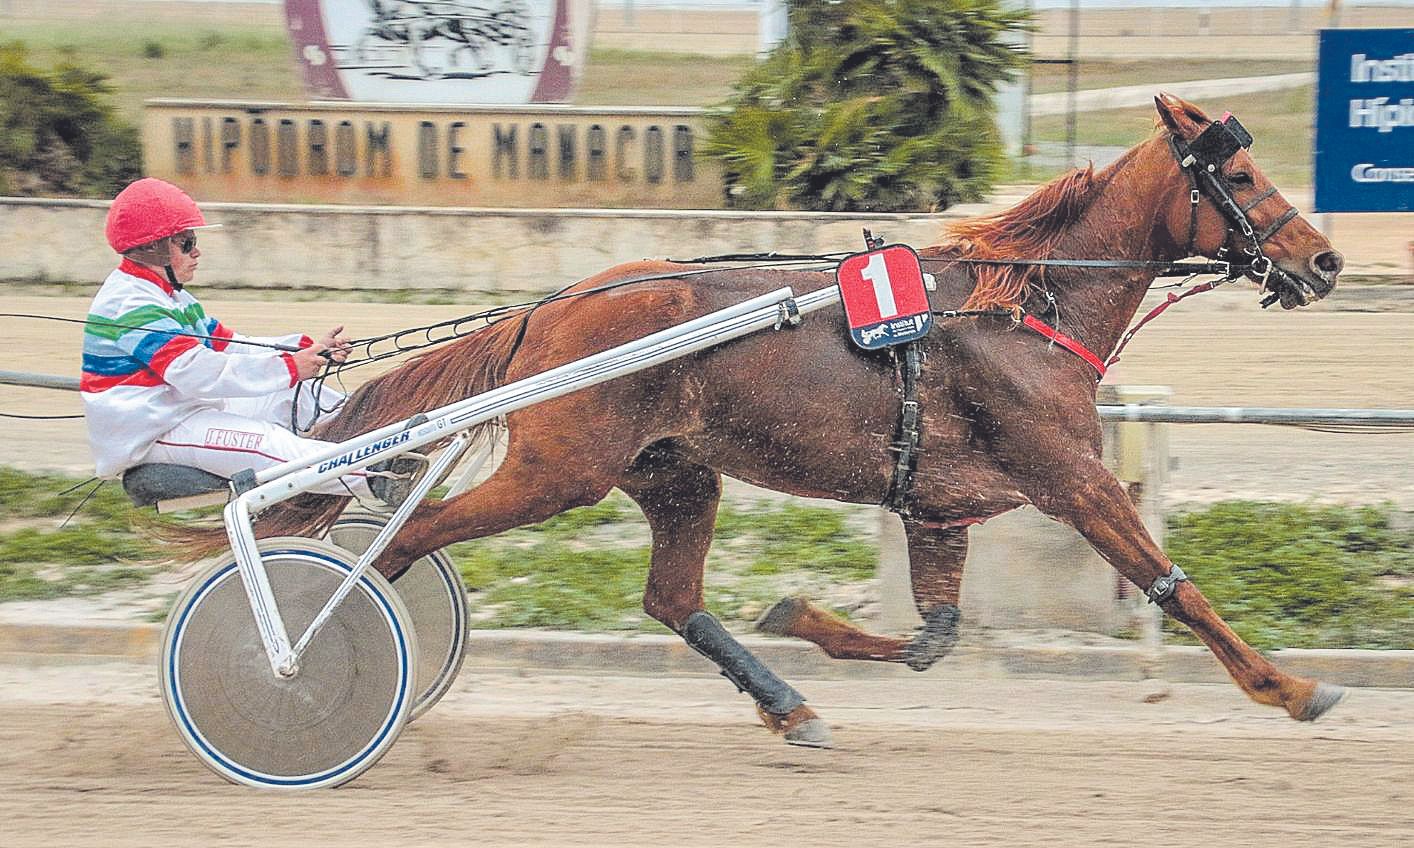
[1289, 575]
[58, 132]
[871, 105]
[153, 49]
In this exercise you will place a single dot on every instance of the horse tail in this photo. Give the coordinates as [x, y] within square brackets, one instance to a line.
[467, 367]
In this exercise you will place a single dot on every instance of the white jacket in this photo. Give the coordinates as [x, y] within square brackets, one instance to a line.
[140, 380]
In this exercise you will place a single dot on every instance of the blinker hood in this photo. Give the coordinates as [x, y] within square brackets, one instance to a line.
[1220, 141]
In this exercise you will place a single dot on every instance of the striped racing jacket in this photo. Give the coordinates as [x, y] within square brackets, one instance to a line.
[140, 380]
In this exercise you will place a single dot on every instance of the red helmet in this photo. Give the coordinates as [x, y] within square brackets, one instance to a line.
[148, 210]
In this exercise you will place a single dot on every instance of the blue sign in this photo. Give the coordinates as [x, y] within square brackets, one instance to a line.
[1365, 121]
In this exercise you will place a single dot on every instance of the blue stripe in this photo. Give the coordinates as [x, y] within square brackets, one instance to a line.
[110, 366]
[94, 346]
[150, 344]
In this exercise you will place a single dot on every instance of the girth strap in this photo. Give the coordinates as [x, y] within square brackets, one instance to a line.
[909, 432]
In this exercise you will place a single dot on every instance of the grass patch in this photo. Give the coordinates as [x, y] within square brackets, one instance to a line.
[1050, 78]
[1280, 123]
[97, 551]
[1283, 575]
[1301, 576]
[641, 78]
[147, 54]
[586, 569]
[790, 537]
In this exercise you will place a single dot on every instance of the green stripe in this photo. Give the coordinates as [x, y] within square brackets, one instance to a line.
[138, 319]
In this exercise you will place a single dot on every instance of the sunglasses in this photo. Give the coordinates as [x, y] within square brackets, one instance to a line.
[187, 245]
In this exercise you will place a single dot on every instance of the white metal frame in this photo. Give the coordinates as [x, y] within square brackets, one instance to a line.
[281, 482]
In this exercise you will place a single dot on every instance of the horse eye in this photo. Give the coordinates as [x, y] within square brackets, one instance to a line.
[1240, 178]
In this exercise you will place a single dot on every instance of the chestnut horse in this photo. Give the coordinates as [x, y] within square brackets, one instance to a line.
[1008, 418]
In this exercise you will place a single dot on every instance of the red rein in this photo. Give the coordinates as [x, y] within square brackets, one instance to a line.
[1080, 350]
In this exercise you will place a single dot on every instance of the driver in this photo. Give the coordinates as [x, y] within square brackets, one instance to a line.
[165, 382]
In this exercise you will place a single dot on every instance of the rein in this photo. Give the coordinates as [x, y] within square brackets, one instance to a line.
[174, 333]
[1178, 268]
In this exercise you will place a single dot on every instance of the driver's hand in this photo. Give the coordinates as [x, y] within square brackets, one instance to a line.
[309, 361]
[336, 343]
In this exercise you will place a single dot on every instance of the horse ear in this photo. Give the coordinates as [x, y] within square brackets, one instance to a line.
[1181, 117]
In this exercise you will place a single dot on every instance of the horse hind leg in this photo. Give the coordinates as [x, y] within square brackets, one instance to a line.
[935, 561]
[680, 499]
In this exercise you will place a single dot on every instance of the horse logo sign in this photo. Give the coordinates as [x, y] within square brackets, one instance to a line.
[444, 51]
[885, 300]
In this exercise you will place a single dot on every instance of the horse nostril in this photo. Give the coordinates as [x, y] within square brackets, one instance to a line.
[1328, 262]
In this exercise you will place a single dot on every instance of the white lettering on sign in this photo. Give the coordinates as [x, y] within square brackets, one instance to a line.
[1379, 113]
[877, 273]
[1367, 173]
[1398, 69]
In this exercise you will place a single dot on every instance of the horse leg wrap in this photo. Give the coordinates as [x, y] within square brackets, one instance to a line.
[935, 639]
[706, 635]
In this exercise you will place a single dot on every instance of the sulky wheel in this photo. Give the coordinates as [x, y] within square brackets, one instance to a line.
[321, 727]
[435, 597]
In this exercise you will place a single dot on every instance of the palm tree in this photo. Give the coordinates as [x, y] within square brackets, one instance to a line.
[871, 105]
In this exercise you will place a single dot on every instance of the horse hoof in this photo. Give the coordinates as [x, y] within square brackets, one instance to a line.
[1325, 697]
[812, 733]
[919, 658]
[778, 619]
[934, 640]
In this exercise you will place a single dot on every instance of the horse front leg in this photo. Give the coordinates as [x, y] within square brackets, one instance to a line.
[679, 500]
[935, 560]
[1095, 504]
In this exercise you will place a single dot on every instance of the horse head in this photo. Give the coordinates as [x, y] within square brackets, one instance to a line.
[1231, 211]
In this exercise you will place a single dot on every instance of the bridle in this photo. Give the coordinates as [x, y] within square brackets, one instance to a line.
[1202, 162]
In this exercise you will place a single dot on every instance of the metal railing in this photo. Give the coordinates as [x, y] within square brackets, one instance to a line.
[39, 381]
[1158, 414]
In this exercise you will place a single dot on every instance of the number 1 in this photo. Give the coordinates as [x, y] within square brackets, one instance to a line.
[877, 273]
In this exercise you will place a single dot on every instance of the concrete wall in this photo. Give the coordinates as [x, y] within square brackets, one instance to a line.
[476, 250]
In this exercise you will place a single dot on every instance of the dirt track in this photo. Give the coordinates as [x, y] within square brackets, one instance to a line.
[88, 758]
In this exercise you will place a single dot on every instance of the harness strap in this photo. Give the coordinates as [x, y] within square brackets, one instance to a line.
[1195, 199]
[1278, 224]
[1059, 338]
[1257, 201]
[909, 434]
[1159, 268]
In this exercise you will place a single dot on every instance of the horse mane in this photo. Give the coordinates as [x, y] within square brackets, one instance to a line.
[433, 379]
[1029, 230]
